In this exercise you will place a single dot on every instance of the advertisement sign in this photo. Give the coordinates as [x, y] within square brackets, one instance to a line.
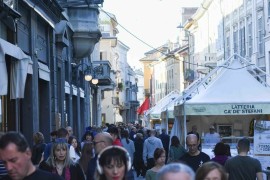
[226, 109]
[262, 137]
[262, 142]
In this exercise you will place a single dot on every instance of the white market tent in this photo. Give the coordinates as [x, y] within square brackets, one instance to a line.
[230, 89]
[155, 111]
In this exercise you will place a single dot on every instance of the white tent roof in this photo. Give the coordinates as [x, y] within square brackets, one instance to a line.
[233, 91]
[234, 85]
[156, 110]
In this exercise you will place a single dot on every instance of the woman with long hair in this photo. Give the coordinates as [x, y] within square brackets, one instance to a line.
[128, 144]
[113, 163]
[87, 138]
[74, 149]
[159, 157]
[59, 162]
[87, 155]
[176, 150]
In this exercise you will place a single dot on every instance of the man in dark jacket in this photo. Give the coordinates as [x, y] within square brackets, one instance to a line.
[16, 156]
[165, 139]
[101, 141]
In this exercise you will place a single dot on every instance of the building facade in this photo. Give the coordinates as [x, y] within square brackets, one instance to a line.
[119, 102]
[46, 53]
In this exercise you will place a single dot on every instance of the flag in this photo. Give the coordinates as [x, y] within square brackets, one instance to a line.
[145, 106]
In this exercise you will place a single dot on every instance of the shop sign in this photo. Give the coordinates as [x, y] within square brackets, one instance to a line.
[243, 109]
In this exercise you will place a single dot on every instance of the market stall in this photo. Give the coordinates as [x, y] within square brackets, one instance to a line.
[229, 98]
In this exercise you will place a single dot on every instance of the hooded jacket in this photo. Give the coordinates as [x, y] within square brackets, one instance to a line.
[149, 147]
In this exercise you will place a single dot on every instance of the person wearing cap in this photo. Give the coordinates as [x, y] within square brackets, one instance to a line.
[212, 137]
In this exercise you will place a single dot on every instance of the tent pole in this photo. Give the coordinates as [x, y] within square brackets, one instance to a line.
[185, 125]
[167, 121]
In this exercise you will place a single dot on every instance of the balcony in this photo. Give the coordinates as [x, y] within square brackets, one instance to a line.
[210, 60]
[102, 71]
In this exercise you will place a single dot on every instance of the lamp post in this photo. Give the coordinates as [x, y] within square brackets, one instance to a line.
[188, 41]
[88, 76]
[188, 73]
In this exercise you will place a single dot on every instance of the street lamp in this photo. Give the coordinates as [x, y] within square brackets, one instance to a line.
[88, 76]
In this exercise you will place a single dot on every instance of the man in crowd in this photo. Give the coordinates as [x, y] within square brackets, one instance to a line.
[70, 131]
[101, 141]
[149, 147]
[16, 155]
[194, 131]
[243, 166]
[165, 139]
[175, 171]
[132, 133]
[212, 137]
[194, 157]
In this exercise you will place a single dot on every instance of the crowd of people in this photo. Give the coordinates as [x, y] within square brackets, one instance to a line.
[116, 152]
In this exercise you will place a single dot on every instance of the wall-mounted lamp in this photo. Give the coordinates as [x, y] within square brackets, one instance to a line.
[87, 72]
[94, 81]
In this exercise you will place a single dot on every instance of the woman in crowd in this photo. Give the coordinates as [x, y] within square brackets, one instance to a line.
[113, 163]
[228, 150]
[159, 157]
[220, 151]
[128, 144]
[176, 150]
[59, 162]
[115, 135]
[38, 148]
[87, 138]
[74, 149]
[87, 154]
[211, 170]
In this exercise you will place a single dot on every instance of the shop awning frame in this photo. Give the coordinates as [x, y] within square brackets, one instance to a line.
[18, 71]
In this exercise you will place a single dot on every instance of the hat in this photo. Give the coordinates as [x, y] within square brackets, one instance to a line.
[211, 127]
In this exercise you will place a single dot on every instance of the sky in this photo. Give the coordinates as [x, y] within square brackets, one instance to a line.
[152, 21]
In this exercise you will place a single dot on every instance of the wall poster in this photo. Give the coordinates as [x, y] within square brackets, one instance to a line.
[262, 142]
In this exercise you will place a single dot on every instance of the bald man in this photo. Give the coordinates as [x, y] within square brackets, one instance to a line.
[175, 171]
[101, 140]
[194, 157]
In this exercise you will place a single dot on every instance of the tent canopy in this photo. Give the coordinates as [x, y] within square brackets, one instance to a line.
[234, 91]
[156, 110]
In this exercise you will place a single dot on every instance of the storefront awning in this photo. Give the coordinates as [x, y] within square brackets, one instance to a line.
[18, 70]
[43, 71]
[67, 88]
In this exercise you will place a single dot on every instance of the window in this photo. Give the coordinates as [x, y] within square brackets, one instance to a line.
[103, 55]
[268, 8]
[260, 37]
[228, 52]
[102, 94]
[249, 38]
[242, 41]
[235, 40]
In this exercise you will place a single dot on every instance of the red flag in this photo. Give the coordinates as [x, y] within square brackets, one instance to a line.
[145, 105]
